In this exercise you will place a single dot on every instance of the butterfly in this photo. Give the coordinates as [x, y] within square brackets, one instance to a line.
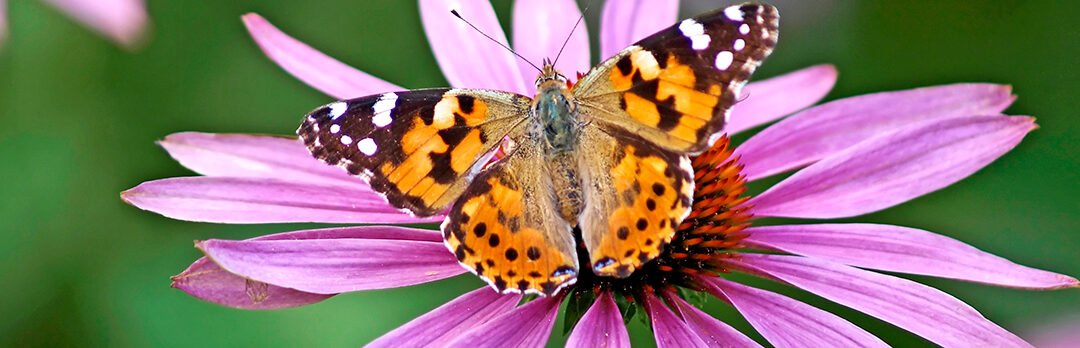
[606, 156]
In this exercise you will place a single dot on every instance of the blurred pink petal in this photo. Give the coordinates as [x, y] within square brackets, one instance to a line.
[449, 320]
[1060, 332]
[918, 308]
[668, 329]
[823, 130]
[785, 322]
[527, 326]
[205, 280]
[893, 168]
[713, 332]
[311, 66]
[467, 58]
[540, 28]
[123, 21]
[348, 259]
[601, 326]
[767, 100]
[3, 22]
[902, 249]
[260, 200]
[625, 22]
[254, 156]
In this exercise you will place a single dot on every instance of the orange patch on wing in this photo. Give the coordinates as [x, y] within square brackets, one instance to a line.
[642, 109]
[687, 100]
[447, 109]
[464, 154]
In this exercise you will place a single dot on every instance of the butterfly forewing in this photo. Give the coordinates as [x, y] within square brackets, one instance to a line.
[419, 148]
[675, 88]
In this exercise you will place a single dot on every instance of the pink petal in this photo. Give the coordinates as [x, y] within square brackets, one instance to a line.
[205, 280]
[122, 21]
[625, 22]
[254, 156]
[893, 168]
[527, 326]
[826, 129]
[785, 322]
[449, 320]
[467, 58]
[902, 249]
[918, 308]
[311, 66]
[345, 259]
[713, 332]
[601, 326]
[668, 330]
[257, 200]
[767, 100]
[540, 28]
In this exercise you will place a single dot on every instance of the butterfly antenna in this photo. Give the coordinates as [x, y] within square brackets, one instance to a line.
[579, 19]
[456, 14]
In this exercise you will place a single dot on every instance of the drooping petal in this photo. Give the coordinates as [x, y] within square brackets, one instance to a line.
[893, 168]
[527, 326]
[449, 320]
[540, 28]
[207, 281]
[625, 22]
[713, 332]
[785, 322]
[350, 259]
[668, 330]
[601, 326]
[260, 200]
[902, 249]
[767, 100]
[122, 21]
[467, 58]
[311, 66]
[253, 156]
[918, 308]
[823, 130]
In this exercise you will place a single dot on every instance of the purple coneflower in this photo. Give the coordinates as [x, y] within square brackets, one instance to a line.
[853, 156]
[122, 21]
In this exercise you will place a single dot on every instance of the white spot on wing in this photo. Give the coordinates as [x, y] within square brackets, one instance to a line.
[696, 33]
[367, 146]
[382, 108]
[739, 44]
[724, 59]
[334, 128]
[744, 29]
[346, 140]
[734, 13]
[337, 109]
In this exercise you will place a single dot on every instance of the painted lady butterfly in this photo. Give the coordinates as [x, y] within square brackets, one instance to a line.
[606, 156]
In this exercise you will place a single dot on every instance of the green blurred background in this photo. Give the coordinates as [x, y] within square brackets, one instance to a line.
[80, 117]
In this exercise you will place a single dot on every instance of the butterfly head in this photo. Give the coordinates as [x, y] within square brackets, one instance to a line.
[550, 77]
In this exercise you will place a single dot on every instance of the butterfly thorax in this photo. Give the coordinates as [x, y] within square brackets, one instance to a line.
[556, 122]
[555, 114]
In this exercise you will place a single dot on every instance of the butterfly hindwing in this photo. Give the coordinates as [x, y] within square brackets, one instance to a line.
[635, 197]
[419, 148]
[675, 88]
[506, 228]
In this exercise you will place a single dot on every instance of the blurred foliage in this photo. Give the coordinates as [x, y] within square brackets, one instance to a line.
[80, 117]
